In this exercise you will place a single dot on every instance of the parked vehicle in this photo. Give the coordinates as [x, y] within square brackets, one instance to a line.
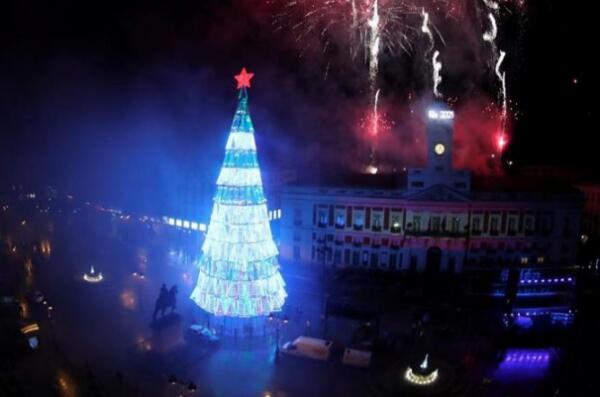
[303, 346]
[200, 334]
[35, 297]
[8, 300]
[356, 358]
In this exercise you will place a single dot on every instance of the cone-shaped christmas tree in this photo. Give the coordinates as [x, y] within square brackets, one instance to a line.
[239, 271]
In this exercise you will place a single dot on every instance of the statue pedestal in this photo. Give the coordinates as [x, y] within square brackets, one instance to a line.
[167, 332]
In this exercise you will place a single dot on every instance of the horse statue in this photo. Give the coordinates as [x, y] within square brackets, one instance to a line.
[166, 299]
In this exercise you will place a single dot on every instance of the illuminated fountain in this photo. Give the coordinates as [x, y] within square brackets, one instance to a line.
[92, 276]
[422, 376]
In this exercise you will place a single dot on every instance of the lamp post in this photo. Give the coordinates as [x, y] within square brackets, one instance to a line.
[139, 279]
[278, 320]
[324, 248]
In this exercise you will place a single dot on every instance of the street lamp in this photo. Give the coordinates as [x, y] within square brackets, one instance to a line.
[278, 319]
[139, 279]
[324, 249]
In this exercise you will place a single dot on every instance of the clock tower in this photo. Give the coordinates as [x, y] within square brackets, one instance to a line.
[439, 138]
[439, 170]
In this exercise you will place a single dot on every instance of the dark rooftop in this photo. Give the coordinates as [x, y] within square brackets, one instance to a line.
[513, 187]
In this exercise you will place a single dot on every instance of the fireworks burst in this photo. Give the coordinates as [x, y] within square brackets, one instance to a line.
[425, 28]
[436, 64]
[490, 35]
[363, 30]
[370, 27]
[497, 59]
[500, 136]
[355, 24]
[374, 38]
[502, 78]
[375, 122]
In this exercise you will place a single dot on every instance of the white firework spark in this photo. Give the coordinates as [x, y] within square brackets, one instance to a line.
[492, 5]
[376, 113]
[498, 56]
[354, 29]
[374, 38]
[490, 35]
[425, 28]
[437, 77]
[363, 26]
[502, 78]
[436, 65]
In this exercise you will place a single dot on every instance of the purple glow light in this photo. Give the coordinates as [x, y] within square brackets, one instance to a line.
[520, 364]
[549, 280]
[526, 357]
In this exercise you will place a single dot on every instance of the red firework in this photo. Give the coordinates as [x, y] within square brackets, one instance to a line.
[374, 124]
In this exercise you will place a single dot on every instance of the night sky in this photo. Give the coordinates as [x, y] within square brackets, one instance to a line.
[119, 101]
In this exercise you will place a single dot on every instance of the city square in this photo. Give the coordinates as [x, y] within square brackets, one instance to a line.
[298, 198]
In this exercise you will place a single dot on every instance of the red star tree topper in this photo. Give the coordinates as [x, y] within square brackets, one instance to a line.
[243, 79]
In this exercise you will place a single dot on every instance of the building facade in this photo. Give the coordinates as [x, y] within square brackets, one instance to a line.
[591, 210]
[438, 221]
[435, 230]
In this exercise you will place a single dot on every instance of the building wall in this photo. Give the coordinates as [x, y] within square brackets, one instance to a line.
[437, 224]
[358, 228]
[591, 210]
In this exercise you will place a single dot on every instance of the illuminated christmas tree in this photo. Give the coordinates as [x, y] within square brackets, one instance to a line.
[239, 270]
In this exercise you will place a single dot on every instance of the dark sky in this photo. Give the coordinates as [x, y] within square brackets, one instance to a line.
[119, 99]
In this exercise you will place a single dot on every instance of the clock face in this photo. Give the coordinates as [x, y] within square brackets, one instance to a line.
[439, 149]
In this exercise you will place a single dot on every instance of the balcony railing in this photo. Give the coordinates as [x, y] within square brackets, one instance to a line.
[436, 233]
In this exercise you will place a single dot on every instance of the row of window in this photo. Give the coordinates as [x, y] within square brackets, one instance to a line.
[356, 258]
[509, 246]
[393, 259]
[322, 250]
[510, 260]
[475, 246]
[493, 223]
[592, 196]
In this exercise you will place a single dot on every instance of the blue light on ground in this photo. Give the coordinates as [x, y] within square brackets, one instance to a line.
[550, 280]
[525, 364]
[524, 322]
